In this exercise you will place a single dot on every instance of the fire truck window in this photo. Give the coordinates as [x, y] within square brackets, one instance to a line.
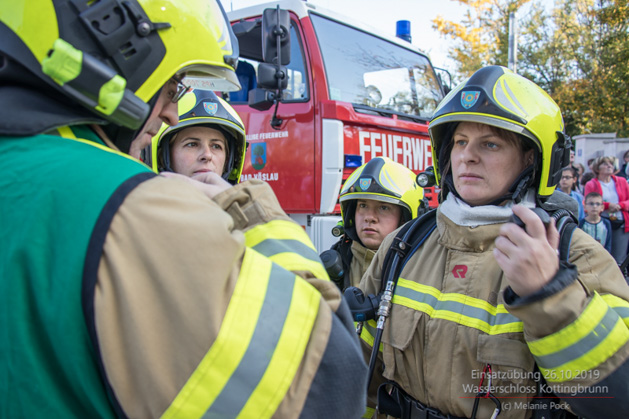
[246, 73]
[297, 81]
[251, 56]
[370, 71]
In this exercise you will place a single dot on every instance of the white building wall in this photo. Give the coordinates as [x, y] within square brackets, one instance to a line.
[589, 146]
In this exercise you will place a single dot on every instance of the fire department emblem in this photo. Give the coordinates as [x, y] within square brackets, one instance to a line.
[468, 99]
[210, 108]
[364, 184]
[258, 156]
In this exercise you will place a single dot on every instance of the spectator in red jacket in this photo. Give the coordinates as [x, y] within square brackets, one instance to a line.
[615, 193]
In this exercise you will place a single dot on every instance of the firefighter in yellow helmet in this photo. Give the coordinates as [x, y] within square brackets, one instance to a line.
[210, 136]
[376, 199]
[485, 312]
[128, 294]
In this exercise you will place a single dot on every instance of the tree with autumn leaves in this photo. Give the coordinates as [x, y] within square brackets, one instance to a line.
[579, 53]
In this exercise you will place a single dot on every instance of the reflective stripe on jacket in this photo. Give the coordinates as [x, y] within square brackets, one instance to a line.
[288, 245]
[449, 319]
[250, 366]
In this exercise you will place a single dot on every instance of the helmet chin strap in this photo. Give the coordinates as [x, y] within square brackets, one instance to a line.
[166, 156]
[520, 186]
[230, 141]
[349, 222]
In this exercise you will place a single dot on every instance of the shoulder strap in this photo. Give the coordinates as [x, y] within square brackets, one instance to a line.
[566, 224]
[410, 237]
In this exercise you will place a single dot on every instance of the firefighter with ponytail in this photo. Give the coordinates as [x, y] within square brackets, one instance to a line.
[498, 303]
[125, 293]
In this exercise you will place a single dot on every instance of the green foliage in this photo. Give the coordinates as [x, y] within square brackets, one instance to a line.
[482, 38]
[579, 53]
[595, 92]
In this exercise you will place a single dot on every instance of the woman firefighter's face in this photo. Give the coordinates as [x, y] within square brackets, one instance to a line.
[484, 165]
[198, 149]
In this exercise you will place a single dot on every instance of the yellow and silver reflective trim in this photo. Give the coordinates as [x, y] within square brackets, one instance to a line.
[507, 99]
[620, 306]
[286, 244]
[369, 332]
[458, 308]
[584, 344]
[396, 179]
[251, 365]
[387, 182]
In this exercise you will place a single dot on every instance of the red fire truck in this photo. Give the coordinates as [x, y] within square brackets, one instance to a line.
[322, 95]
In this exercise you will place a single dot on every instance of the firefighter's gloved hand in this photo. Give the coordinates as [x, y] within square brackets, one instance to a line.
[363, 307]
[209, 183]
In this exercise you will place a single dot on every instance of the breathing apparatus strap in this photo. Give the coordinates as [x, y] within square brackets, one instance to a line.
[566, 224]
[410, 237]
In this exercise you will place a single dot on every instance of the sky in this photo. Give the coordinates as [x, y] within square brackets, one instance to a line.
[383, 14]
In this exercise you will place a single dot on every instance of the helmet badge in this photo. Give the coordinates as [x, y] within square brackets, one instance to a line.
[210, 107]
[469, 98]
[364, 183]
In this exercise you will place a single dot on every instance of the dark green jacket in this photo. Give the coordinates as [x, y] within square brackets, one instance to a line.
[53, 192]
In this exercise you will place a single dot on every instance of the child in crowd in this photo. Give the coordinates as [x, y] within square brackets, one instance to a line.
[595, 225]
[568, 185]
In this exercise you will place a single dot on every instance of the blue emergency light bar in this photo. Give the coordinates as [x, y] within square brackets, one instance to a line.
[403, 30]
[353, 160]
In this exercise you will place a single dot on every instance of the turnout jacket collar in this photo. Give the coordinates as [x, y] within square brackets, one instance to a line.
[360, 262]
[463, 238]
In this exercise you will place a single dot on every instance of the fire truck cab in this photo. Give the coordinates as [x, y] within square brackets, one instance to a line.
[344, 95]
